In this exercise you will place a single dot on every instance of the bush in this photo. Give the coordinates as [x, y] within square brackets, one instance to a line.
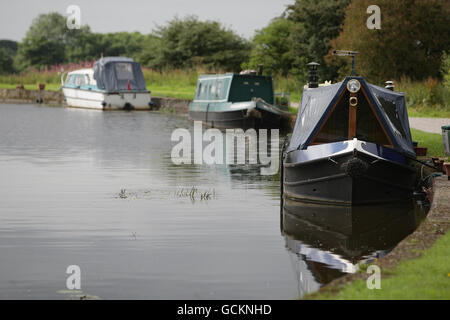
[445, 68]
[6, 62]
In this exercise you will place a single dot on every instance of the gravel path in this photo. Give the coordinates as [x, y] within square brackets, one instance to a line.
[432, 125]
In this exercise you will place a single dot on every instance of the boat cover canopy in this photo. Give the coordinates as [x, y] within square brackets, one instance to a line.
[317, 103]
[114, 74]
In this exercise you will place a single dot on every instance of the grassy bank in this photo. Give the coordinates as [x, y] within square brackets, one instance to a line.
[432, 141]
[427, 277]
[428, 98]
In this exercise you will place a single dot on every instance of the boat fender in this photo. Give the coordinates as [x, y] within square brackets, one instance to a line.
[355, 167]
[128, 106]
[253, 113]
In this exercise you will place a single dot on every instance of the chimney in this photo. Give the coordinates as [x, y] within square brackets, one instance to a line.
[390, 85]
[260, 69]
[313, 77]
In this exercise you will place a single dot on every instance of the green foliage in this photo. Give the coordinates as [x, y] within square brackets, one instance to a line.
[409, 44]
[189, 43]
[317, 22]
[6, 61]
[433, 141]
[41, 51]
[445, 69]
[44, 43]
[425, 98]
[120, 44]
[10, 46]
[272, 48]
[49, 42]
[282, 101]
[150, 53]
[82, 44]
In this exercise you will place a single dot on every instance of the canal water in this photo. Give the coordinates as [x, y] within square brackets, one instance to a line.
[99, 190]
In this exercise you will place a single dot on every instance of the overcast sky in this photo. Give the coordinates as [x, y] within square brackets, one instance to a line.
[243, 16]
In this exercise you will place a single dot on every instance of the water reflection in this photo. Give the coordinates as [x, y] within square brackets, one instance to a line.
[62, 172]
[325, 242]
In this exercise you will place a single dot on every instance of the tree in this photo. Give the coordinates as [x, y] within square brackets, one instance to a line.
[317, 22]
[413, 35]
[445, 68]
[150, 54]
[44, 43]
[121, 43]
[81, 45]
[272, 48]
[6, 61]
[48, 41]
[188, 42]
[10, 46]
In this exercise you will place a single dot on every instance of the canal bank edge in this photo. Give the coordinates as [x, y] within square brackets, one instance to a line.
[163, 104]
[50, 97]
[436, 224]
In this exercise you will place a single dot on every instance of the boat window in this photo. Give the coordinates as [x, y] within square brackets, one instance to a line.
[212, 92]
[336, 126]
[69, 80]
[79, 80]
[219, 89]
[390, 109]
[204, 88]
[368, 127]
[206, 91]
[199, 90]
[124, 71]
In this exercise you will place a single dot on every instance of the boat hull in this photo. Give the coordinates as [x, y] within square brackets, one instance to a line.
[351, 175]
[92, 99]
[247, 118]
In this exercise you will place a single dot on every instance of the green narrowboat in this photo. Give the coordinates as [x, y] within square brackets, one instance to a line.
[235, 101]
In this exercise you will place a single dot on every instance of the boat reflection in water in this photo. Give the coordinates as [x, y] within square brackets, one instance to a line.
[325, 242]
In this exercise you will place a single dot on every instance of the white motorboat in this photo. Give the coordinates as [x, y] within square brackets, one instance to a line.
[114, 83]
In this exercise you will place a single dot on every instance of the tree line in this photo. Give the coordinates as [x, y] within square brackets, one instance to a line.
[413, 38]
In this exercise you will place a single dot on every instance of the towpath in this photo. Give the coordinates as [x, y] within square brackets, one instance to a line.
[432, 125]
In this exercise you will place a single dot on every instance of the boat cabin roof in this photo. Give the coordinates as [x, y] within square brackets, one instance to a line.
[370, 113]
[88, 71]
[118, 73]
[231, 87]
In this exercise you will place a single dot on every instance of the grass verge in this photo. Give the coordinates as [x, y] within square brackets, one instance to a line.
[48, 86]
[427, 277]
[433, 141]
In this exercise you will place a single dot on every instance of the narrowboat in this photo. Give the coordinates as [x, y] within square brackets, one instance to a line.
[351, 144]
[235, 101]
[114, 83]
